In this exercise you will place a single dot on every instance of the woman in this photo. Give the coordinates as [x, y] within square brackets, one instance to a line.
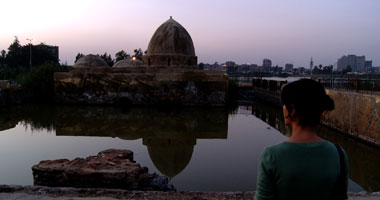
[305, 166]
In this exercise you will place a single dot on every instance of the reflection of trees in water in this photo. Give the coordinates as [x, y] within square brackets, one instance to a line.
[169, 134]
[364, 160]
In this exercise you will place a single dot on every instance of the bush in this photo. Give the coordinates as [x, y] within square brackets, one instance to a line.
[38, 81]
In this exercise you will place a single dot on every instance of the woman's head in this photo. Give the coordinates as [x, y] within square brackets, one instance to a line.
[305, 100]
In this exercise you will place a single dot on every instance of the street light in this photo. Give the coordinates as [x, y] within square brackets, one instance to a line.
[30, 52]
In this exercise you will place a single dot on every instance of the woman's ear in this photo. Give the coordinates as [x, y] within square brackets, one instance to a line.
[288, 113]
[324, 113]
[291, 111]
[285, 111]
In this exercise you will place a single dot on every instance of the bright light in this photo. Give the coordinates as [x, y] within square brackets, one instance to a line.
[134, 58]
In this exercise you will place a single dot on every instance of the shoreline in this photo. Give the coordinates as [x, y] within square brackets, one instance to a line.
[42, 192]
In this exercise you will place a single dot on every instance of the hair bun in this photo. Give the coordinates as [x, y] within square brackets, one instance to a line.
[328, 103]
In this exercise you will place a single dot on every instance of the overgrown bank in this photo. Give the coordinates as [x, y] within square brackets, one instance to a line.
[35, 84]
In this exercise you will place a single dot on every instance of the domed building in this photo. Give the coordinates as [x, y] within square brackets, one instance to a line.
[128, 63]
[168, 75]
[90, 61]
[170, 45]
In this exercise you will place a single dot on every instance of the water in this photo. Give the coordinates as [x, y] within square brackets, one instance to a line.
[201, 149]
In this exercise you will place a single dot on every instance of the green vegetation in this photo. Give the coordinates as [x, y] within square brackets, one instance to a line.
[39, 81]
[26, 56]
[33, 67]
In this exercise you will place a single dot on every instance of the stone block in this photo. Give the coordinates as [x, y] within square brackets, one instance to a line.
[142, 86]
[109, 169]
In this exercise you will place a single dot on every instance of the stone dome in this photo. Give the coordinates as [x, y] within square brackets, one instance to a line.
[171, 38]
[171, 45]
[127, 63]
[90, 61]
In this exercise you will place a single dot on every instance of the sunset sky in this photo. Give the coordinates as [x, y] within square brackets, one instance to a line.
[244, 31]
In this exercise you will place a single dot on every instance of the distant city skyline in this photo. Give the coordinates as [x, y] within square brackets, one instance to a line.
[243, 31]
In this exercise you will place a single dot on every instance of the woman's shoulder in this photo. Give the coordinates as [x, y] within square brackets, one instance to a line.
[293, 147]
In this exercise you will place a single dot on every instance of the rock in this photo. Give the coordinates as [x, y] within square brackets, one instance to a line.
[109, 169]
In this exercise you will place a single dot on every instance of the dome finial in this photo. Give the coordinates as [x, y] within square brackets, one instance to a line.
[171, 17]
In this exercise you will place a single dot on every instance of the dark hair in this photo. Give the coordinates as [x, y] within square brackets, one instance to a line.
[308, 98]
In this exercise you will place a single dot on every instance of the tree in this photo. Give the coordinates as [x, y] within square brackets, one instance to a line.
[201, 65]
[15, 46]
[79, 55]
[14, 54]
[107, 57]
[348, 69]
[327, 69]
[3, 54]
[121, 55]
[317, 70]
[138, 53]
[19, 56]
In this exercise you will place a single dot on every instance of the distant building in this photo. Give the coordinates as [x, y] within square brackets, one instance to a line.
[53, 50]
[368, 65]
[356, 63]
[276, 69]
[267, 63]
[375, 70]
[288, 67]
[231, 69]
[230, 63]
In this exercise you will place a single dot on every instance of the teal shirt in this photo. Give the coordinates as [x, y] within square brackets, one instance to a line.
[299, 171]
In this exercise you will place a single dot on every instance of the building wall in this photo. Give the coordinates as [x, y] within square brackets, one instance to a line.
[357, 63]
[142, 85]
[267, 63]
[355, 114]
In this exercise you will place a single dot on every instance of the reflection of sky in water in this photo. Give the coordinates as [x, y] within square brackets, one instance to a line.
[216, 164]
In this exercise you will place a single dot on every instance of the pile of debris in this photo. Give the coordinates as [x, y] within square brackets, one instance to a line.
[109, 169]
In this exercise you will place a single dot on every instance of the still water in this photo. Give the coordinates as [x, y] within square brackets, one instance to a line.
[200, 149]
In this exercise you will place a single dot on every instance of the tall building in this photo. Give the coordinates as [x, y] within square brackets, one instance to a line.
[311, 63]
[368, 65]
[267, 63]
[356, 63]
[52, 50]
[288, 67]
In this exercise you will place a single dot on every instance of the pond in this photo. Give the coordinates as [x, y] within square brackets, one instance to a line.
[200, 149]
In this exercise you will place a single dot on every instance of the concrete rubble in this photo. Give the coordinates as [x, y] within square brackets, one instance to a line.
[109, 169]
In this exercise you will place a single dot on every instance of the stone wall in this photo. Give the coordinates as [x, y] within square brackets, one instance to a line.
[142, 86]
[268, 90]
[356, 114]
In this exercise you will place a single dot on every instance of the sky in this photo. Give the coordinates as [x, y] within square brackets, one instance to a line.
[244, 31]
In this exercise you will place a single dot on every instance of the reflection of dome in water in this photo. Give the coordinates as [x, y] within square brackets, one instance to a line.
[127, 63]
[170, 156]
[170, 45]
[90, 61]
